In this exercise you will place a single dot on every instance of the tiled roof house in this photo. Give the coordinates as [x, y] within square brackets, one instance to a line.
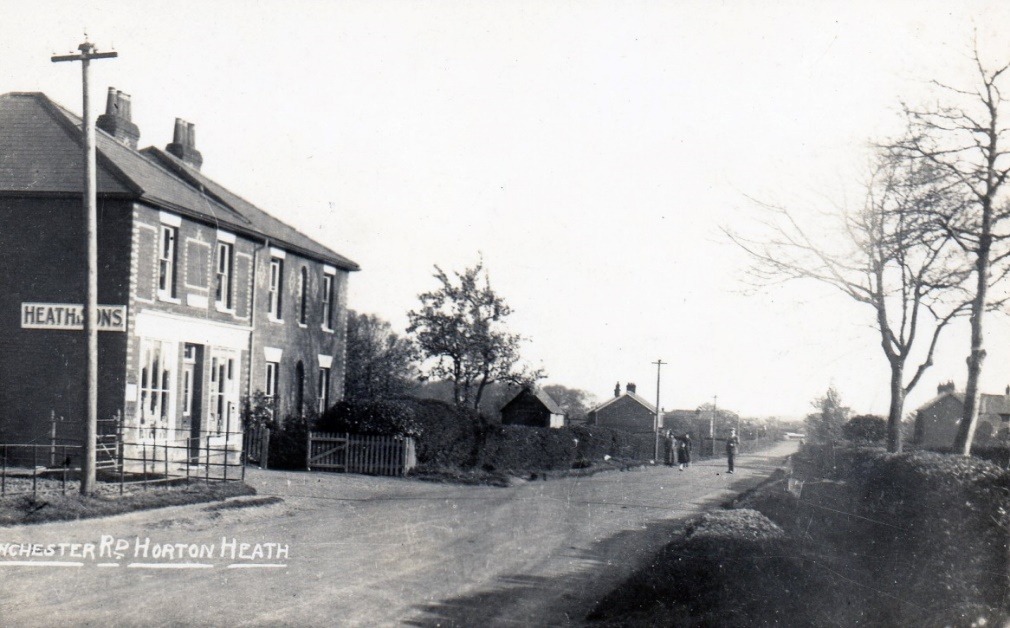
[221, 299]
[627, 412]
[937, 420]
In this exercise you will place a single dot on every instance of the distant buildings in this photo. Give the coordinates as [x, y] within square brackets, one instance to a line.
[936, 421]
[205, 297]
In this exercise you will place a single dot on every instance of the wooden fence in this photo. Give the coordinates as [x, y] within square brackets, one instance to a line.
[256, 446]
[354, 453]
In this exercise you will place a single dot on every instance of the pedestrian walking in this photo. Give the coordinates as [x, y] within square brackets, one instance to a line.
[669, 444]
[732, 443]
[684, 451]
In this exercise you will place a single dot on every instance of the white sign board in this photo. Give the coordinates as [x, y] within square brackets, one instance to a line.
[70, 316]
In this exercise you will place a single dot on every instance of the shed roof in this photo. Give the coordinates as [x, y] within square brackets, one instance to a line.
[40, 149]
[542, 396]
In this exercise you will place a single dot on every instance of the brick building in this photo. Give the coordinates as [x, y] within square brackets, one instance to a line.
[627, 412]
[208, 298]
[937, 420]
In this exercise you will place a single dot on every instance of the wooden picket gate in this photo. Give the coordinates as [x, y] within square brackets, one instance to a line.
[354, 453]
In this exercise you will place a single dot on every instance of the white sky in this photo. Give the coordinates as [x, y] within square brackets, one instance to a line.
[589, 150]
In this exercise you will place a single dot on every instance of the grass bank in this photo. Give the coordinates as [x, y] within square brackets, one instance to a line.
[46, 507]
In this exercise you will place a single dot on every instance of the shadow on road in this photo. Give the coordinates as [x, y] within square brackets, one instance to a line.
[565, 599]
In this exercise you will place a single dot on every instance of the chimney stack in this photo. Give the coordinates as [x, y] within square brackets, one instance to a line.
[947, 387]
[117, 120]
[630, 387]
[183, 144]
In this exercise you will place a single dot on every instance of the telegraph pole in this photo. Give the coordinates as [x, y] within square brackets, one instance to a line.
[711, 421]
[89, 52]
[659, 364]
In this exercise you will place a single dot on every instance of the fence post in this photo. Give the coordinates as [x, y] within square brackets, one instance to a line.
[144, 457]
[65, 464]
[226, 436]
[52, 438]
[265, 449]
[35, 468]
[166, 453]
[207, 449]
[308, 452]
[3, 474]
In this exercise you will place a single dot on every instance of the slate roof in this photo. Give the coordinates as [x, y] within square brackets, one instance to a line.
[634, 396]
[989, 404]
[40, 152]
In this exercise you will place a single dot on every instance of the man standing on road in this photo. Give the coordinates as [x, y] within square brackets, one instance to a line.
[731, 445]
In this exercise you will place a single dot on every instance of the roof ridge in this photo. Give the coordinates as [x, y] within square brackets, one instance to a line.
[186, 177]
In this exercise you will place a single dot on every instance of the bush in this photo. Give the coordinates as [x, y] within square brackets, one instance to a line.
[288, 443]
[865, 428]
[522, 448]
[937, 524]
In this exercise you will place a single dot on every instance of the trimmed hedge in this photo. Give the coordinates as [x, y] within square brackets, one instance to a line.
[452, 437]
[939, 525]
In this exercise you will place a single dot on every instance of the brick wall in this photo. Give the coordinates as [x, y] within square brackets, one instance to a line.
[42, 259]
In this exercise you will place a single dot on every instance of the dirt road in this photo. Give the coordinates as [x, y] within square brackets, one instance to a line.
[353, 550]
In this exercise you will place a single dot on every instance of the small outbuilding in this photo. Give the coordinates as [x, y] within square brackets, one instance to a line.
[533, 408]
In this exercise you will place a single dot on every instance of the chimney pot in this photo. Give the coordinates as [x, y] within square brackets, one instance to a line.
[110, 102]
[617, 389]
[116, 121]
[183, 144]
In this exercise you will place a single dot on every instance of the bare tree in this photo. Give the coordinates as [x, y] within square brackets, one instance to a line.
[964, 138]
[892, 259]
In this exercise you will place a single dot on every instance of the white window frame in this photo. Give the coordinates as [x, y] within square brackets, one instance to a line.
[327, 302]
[323, 389]
[270, 387]
[156, 387]
[168, 257]
[303, 297]
[275, 291]
[223, 276]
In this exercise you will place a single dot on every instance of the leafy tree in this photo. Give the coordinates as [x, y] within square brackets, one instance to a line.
[964, 137]
[380, 364]
[824, 427]
[894, 259]
[575, 402]
[865, 427]
[460, 329]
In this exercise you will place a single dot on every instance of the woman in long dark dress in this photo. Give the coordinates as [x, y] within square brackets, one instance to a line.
[684, 451]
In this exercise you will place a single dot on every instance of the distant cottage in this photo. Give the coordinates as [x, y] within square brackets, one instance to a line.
[936, 421]
[533, 408]
[627, 412]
